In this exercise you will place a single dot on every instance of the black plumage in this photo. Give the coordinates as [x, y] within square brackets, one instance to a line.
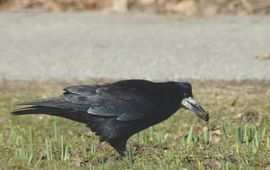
[117, 111]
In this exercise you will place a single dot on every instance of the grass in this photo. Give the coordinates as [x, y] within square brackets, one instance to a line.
[237, 136]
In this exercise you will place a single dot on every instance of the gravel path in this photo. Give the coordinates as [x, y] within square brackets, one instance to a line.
[65, 46]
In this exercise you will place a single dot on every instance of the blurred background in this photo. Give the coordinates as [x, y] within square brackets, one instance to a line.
[183, 7]
[121, 39]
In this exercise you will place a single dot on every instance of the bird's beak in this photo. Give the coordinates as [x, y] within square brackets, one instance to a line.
[192, 105]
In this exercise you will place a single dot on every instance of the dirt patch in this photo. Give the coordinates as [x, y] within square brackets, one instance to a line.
[183, 7]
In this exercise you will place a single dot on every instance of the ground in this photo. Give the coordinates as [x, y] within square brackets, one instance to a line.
[83, 46]
[237, 135]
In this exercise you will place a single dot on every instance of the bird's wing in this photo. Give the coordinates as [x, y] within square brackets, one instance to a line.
[125, 100]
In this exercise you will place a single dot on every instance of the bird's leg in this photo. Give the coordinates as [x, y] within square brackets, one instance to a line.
[119, 146]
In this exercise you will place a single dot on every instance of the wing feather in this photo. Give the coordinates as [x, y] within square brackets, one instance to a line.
[125, 100]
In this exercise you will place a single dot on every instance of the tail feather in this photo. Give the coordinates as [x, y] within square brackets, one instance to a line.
[53, 103]
[66, 113]
[26, 111]
[100, 125]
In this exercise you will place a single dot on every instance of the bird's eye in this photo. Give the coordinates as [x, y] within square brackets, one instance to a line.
[185, 94]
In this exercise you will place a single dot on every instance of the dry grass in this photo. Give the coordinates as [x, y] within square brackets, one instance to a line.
[184, 7]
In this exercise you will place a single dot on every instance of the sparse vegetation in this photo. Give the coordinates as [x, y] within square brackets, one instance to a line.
[237, 136]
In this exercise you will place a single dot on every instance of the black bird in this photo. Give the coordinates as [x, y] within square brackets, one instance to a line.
[117, 111]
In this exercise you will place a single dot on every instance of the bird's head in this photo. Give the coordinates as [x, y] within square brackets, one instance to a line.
[189, 103]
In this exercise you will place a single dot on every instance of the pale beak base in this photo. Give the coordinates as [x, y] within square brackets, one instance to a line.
[192, 105]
